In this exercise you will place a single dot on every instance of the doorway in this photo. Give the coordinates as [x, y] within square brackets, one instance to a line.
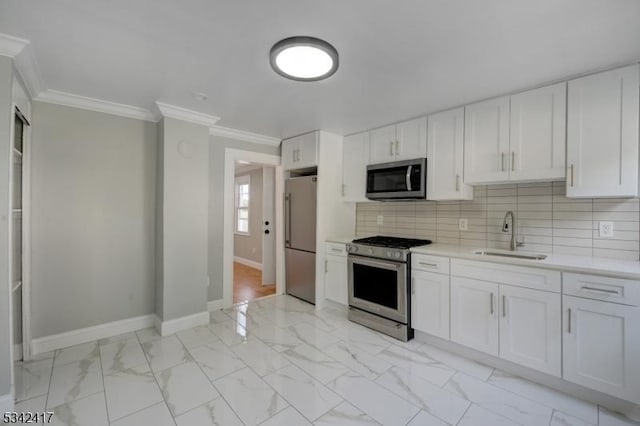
[253, 227]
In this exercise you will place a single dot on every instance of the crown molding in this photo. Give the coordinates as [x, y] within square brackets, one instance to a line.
[188, 115]
[97, 105]
[11, 46]
[243, 135]
[24, 61]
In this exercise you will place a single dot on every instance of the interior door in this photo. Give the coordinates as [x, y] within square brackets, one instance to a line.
[268, 226]
[17, 288]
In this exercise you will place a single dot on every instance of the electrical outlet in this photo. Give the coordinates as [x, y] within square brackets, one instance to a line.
[463, 225]
[606, 229]
[380, 220]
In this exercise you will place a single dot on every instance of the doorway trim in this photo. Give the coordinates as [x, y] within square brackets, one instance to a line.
[230, 157]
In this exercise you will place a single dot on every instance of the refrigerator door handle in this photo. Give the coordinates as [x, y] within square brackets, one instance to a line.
[287, 228]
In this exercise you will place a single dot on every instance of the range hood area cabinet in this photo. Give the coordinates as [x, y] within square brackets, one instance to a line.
[402, 141]
[516, 138]
[300, 152]
[602, 134]
[355, 158]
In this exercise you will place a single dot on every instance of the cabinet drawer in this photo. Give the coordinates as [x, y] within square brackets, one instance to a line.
[425, 262]
[520, 276]
[336, 249]
[616, 290]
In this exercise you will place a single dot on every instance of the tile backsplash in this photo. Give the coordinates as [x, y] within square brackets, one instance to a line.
[547, 220]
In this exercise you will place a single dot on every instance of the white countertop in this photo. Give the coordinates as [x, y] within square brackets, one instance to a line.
[567, 263]
[341, 240]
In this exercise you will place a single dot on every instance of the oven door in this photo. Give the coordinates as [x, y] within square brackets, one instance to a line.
[378, 286]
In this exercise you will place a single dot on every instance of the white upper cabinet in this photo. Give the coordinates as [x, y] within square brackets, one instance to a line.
[355, 157]
[486, 150]
[300, 152]
[602, 134]
[402, 141]
[445, 157]
[537, 134]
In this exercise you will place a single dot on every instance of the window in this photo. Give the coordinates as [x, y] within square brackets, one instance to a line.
[242, 204]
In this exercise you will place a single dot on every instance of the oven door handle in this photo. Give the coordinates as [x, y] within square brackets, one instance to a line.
[408, 178]
[375, 263]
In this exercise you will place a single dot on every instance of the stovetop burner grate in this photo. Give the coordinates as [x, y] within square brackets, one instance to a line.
[392, 242]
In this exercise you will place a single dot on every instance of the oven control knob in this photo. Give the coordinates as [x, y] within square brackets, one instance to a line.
[352, 249]
[370, 251]
[389, 254]
[397, 255]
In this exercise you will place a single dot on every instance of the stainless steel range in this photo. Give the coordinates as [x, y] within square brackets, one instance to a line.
[380, 284]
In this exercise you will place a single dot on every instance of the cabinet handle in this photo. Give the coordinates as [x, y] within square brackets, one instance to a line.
[430, 265]
[491, 303]
[513, 161]
[335, 250]
[572, 175]
[413, 287]
[600, 290]
[502, 161]
[397, 147]
[569, 323]
[391, 148]
[326, 266]
[457, 183]
[344, 189]
[504, 306]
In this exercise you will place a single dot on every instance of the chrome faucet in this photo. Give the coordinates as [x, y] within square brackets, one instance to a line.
[505, 228]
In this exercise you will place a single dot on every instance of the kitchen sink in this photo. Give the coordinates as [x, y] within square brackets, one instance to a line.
[514, 255]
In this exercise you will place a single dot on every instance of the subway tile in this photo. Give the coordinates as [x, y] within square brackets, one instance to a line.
[617, 254]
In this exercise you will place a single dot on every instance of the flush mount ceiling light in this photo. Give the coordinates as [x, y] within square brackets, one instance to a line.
[304, 58]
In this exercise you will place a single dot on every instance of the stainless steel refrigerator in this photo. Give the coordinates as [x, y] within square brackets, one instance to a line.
[300, 237]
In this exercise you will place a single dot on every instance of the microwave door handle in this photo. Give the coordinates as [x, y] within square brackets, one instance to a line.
[408, 178]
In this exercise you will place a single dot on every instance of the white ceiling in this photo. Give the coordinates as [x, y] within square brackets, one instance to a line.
[398, 59]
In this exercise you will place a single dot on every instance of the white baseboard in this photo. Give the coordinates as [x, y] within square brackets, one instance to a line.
[6, 403]
[171, 326]
[214, 305]
[247, 262]
[89, 334]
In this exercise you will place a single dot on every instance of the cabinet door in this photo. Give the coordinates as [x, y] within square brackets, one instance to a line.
[601, 349]
[383, 145]
[602, 134]
[335, 279]
[355, 157]
[530, 328]
[474, 310]
[537, 134]
[307, 150]
[430, 303]
[289, 154]
[412, 139]
[486, 141]
[445, 157]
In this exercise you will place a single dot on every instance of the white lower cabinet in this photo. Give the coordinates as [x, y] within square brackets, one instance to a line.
[430, 303]
[530, 328]
[474, 321]
[601, 345]
[335, 278]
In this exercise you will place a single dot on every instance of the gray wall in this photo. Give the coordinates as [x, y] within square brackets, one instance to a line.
[250, 246]
[185, 181]
[93, 209]
[6, 81]
[217, 146]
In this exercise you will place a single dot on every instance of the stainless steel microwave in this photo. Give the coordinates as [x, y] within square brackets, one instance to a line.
[399, 180]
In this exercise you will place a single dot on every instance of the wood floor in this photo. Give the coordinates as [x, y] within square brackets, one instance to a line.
[247, 283]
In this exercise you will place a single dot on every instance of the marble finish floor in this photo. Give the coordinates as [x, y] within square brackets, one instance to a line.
[278, 361]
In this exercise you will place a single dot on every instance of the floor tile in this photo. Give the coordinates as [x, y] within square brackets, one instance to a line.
[315, 363]
[31, 405]
[156, 415]
[230, 332]
[165, 353]
[260, 357]
[277, 338]
[196, 336]
[478, 416]
[310, 397]
[610, 418]
[470, 367]
[121, 355]
[562, 419]
[575, 407]
[185, 387]
[148, 334]
[376, 401]
[32, 379]
[216, 412]
[357, 335]
[358, 360]
[118, 338]
[424, 394]
[520, 410]
[131, 390]
[90, 410]
[418, 364]
[74, 381]
[425, 419]
[345, 414]
[216, 359]
[249, 396]
[85, 351]
[216, 317]
[312, 336]
[287, 417]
